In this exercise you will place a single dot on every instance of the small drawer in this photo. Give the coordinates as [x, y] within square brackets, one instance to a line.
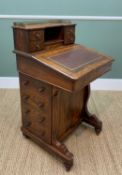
[37, 122]
[41, 126]
[36, 46]
[36, 35]
[35, 116]
[69, 35]
[33, 87]
[39, 103]
[36, 94]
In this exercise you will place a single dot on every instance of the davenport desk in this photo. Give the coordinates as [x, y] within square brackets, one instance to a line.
[55, 75]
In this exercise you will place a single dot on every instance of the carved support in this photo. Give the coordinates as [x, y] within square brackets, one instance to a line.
[56, 148]
[68, 165]
[68, 156]
[87, 117]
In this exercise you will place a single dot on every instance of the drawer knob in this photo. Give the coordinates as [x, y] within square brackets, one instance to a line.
[27, 111]
[56, 93]
[26, 82]
[42, 120]
[38, 35]
[27, 124]
[26, 97]
[41, 105]
[42, 89]
[37, 46]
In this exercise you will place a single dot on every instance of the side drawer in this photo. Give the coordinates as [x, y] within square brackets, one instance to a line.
[36, 46]
[36, 35]
[69, 34]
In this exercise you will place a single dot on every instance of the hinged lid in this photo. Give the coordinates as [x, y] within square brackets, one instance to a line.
[70, 60]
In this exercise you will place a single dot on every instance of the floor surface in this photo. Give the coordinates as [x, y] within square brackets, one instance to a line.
[93, 155]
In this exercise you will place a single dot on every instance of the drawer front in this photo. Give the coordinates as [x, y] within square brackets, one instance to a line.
[34, 87]
[36, 46]
[69, 34]
[36, 107]
[36, 122]
[36, 35]
[36, 40]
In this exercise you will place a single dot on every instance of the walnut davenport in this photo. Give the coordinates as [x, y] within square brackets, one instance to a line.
[55, 75]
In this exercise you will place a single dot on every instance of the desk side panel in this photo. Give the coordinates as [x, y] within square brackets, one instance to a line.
[66, 112]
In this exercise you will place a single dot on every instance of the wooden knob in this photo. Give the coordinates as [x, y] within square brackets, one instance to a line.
[27, 111]
[41, 89]
[26, 82]
[26, 97]
[37, 35]
[41, 105]
[71, 31]
[37, 46]
[42, 120]
[55, 93]
[27, 124]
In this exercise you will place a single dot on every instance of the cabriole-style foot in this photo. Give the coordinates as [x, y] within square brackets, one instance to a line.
[27, 137]
[68, 165]
[56, 148]
[64, 154]
[93, 121]
[98, 128]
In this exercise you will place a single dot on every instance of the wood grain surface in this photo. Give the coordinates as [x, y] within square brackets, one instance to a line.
[92, 155]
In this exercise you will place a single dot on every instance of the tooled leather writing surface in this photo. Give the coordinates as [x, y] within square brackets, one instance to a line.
[71, 60]
[76, 58]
